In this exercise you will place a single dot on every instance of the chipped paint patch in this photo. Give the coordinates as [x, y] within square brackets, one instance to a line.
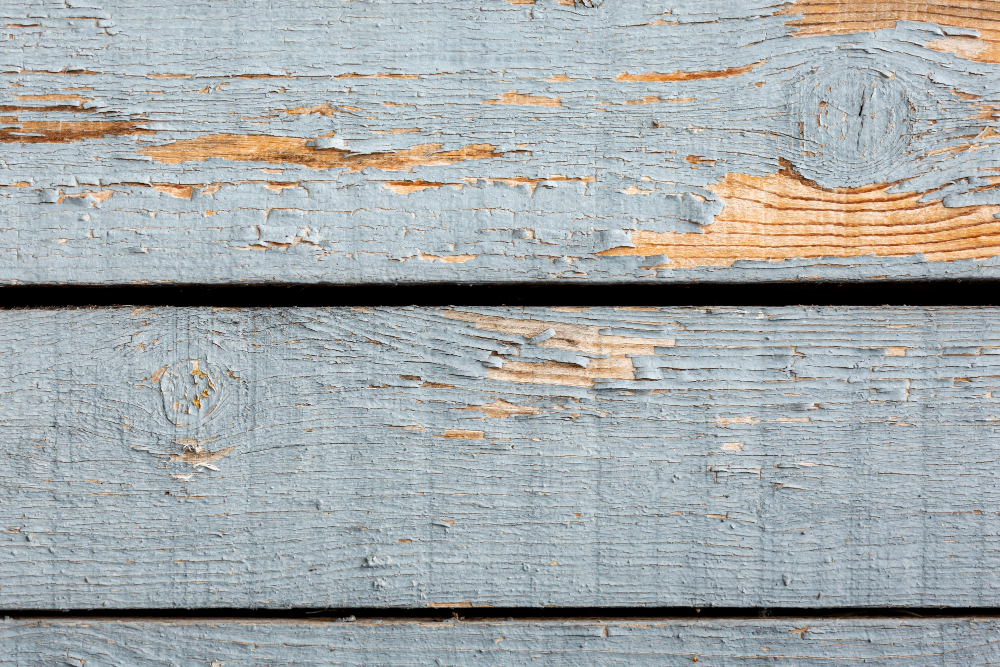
[842, 17]
[200, 458]
[531, 183]
[600, 356]
[636, 190]
[447, 259]
[61, 132]
[729, 421]
[501, 409]
[91, 197]
[648, 99]
[75, 100]
[970, 48]
[380, 75]
[462, 434]
[178, 191]
[524, 99]
[409, 187]
[296, 150]
[679, 75]
[783, 216]
[325, 109]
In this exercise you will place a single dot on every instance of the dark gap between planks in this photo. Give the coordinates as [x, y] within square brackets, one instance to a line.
[895, 293]
[507, 613]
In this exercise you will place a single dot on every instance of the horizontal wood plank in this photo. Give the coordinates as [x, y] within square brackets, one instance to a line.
[909, 642]
[498, 140]
[418, 457]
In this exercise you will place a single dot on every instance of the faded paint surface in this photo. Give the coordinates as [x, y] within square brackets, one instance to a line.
[498, 141]
[810, 457]
[900, 642]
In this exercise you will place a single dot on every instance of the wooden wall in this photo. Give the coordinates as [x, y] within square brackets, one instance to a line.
[442, 483]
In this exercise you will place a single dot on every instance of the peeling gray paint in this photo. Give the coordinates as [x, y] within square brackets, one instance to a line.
[896, 112]
[783, 457]
[788, 641]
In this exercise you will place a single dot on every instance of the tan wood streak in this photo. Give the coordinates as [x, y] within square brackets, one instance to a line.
[462, 434]
[61, 132]
[512, 97]
[409, 187]
[783, 216]
[501, 409]
[567, 375]
[178, 191]
[569, 337]
[325, 109]
[380, 75]
[839, 17]
[294, 150]
[74, 99]
[447, 259]
[654, 77]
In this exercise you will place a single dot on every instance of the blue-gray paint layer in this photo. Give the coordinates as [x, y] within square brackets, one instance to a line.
[585, 155]
[898, 642]
[795, 457]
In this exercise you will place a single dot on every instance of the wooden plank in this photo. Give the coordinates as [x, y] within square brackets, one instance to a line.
[913, 642]
[789, 457]
[497, 140]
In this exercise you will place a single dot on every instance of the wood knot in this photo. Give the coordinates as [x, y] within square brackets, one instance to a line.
[192, 392]
[850, 126]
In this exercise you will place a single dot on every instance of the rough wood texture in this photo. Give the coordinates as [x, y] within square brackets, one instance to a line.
[498, 140]
[496, 456]
[909, 642]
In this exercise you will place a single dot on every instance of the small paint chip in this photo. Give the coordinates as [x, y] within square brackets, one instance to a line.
[501, 409]
[178, 191]
[729, 421]
[447, 259]
[512, 97]
[462, 434]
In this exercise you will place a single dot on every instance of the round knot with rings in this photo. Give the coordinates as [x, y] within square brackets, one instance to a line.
[850, 126]
[193, 392]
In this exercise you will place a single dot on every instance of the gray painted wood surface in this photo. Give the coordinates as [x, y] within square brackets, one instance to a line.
[497, 140]
[817, 457]
[909, 642]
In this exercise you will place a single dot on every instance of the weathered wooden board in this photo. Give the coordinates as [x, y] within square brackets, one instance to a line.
[409, 457]
[498, 140]
[910, 642]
